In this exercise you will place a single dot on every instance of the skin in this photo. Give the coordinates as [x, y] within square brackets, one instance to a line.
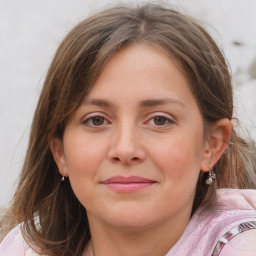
[140, 119]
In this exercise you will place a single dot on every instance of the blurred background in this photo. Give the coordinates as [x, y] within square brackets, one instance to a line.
[30, 32]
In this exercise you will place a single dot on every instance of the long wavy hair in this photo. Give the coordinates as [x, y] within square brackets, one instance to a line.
[54, 221]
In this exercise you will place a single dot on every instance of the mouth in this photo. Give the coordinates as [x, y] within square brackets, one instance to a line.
[128, 184]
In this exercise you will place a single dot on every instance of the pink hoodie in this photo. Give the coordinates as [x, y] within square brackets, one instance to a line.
[223, 223]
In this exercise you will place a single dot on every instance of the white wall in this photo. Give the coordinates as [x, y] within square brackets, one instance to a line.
[31, 30]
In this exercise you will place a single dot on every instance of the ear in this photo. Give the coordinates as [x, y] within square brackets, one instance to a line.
[57, 150]
[216, 142]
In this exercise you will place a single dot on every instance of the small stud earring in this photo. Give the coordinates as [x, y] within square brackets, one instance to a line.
[211, 177]
[62, 179]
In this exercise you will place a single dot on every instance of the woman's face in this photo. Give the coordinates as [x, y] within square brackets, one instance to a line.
[134, 149]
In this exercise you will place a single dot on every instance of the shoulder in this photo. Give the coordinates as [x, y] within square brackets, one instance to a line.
[15, 245]
[244, 244]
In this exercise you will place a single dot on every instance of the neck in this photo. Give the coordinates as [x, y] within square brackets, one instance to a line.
[157, 240]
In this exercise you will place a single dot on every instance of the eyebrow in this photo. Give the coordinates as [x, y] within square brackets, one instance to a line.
[156, 102]
[143, 103]
[98, 102]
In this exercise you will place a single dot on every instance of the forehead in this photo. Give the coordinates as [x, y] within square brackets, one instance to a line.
[142, 68]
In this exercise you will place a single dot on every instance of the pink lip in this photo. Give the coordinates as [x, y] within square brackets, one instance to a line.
[127, 184]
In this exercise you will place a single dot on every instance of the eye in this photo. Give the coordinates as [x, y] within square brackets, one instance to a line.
[160, 121]
[95, 121]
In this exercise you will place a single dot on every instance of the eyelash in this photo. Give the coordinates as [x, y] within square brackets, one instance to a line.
[167, 121]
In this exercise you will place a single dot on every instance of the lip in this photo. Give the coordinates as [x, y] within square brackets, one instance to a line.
[128, 184]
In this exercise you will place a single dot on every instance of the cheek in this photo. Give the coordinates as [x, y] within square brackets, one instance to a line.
[179, 157]
[178, 160]
[82, 155]
[82, 172]
[83, 161]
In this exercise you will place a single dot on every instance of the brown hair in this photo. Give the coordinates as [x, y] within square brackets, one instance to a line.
[55, 222]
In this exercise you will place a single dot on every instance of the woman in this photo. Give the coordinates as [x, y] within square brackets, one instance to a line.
[132, 148]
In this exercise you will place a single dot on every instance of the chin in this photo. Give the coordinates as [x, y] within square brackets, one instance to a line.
[128, 218]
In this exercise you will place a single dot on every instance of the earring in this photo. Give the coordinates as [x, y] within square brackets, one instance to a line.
[211, 177]
[62, 179]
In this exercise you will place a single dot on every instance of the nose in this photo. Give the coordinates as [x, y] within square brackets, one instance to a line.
[126, 146]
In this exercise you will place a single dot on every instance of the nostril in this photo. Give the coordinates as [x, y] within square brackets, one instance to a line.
[134, 159]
